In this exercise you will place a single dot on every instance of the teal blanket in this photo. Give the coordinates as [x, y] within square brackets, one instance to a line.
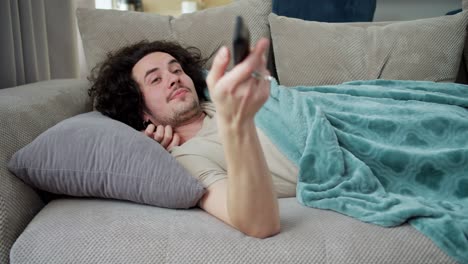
[385, 152]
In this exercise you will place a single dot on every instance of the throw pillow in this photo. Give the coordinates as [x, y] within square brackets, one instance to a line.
[91, 155]
[103, 31]
[317, 53]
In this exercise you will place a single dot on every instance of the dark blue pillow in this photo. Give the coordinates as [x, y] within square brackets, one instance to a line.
[327, 10]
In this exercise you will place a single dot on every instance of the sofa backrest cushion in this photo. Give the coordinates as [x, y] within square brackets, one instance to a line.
[103, 31]
[91, 155]
[315, 53]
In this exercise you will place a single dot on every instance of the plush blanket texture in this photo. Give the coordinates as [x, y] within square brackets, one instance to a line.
[385, 152]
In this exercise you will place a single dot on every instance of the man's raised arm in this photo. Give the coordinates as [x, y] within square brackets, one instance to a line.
[246, 200]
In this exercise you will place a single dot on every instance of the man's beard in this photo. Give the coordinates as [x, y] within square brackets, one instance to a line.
[182, 115]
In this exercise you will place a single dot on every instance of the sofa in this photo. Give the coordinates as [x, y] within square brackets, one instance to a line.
[40, 226]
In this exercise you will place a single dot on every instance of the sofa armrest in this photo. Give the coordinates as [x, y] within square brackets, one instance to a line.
[25, 112]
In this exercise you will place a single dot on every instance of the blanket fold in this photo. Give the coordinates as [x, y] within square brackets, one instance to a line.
[385, 152]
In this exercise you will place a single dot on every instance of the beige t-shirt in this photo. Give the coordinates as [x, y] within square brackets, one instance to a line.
[203, 157]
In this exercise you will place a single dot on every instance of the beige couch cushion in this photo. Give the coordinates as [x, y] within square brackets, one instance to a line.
[105, 231]
[106, 30]
[314, 53]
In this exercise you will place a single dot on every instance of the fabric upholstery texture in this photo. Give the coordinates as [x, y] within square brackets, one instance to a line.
[103, 231]
[332, 53]
[91, 155]
[103, 31]
[25, 112]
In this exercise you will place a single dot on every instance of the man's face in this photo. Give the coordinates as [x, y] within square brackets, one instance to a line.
[169, 94]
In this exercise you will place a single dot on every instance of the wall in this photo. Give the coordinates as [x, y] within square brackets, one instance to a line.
[391, 10]
[173, 7]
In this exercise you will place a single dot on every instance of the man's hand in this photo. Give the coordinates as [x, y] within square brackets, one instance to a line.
[236, 94]
[164, 135]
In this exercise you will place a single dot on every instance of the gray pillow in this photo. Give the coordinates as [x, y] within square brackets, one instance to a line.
[91, 155]
[315, 53]
[103, 31]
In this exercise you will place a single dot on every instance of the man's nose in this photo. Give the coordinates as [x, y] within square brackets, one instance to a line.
[174, 79]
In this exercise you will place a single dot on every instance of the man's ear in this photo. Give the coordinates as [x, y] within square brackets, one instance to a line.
[147, 118]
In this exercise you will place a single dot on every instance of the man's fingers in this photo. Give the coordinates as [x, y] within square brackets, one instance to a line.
[164, 135]
[261, 46]
[253, 62]
[167, 136]
[257, 58]
[175, 142]
[159, 133]
[149, 130]
[219, 66]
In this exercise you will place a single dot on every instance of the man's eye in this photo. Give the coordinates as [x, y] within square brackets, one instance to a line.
[156, 80]
[178, 71]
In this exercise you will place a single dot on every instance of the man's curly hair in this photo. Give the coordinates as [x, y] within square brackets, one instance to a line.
[117, 95]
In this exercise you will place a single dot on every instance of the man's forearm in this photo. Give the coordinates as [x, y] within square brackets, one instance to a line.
[251, 201]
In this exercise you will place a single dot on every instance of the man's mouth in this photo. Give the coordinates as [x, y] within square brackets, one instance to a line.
[177, 93]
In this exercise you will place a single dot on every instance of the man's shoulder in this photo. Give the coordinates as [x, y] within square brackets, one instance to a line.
[208, 105]
[209, 108]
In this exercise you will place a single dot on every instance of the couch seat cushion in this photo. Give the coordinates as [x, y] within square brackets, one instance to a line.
[109, 231]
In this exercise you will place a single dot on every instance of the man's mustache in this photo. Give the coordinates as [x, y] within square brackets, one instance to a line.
[171, 95]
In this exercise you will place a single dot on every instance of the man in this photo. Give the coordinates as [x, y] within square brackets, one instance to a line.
[161, 84]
